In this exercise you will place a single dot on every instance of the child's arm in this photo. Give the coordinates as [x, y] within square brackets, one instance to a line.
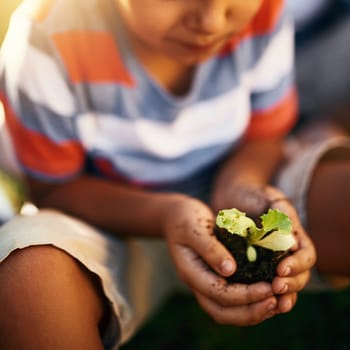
[249, 168]
[116, 208]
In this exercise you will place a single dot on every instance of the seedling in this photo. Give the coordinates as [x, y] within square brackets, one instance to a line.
[263, 246]
[275, 233]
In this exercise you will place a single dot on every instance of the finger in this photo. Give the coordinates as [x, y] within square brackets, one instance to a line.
[282, 285]
[242, 315]
[196, 274]
[304, 253]
[213, 252]
[286, 302]
[279, 201]
[304, 258]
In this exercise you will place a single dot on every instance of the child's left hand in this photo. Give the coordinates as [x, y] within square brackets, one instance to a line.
[293, 271]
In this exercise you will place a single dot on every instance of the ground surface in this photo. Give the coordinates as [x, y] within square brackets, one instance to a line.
[319, 321]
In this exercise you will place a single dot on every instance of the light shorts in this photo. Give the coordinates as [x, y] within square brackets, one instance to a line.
[136, 275]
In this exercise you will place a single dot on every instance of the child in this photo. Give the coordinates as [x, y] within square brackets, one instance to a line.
[137, 120]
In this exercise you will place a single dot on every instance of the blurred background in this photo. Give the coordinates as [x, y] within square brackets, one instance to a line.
[320, 320]
[6, 7]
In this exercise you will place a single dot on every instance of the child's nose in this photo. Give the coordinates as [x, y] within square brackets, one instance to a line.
[210, 17]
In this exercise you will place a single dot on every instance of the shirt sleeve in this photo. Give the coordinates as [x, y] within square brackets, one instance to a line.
[39, 105]
[274, 103]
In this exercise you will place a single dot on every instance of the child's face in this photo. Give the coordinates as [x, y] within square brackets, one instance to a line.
[188, 31]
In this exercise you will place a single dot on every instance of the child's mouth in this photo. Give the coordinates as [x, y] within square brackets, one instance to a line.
[200, 49]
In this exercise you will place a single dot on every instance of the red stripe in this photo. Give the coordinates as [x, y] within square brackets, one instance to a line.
[276, 121]
[105, 167]
[268, 16]
[40, 154]
[263, 23]
[92, 57]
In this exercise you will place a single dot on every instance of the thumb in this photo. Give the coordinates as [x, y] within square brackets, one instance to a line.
[215, 255]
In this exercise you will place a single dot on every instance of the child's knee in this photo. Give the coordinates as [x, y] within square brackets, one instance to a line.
[33, 263]
[46, 295]
[31, 268]
[48, 279]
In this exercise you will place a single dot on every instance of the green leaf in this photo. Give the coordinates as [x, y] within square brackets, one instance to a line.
[276, 241]
[275, 234]
[276, 220]
[236, 222]
[277, 231]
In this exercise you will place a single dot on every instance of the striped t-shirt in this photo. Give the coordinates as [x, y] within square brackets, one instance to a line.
[77, 100]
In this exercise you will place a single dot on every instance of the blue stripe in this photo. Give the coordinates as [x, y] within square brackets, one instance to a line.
[143, 168]
[44, 121]
[266, 99]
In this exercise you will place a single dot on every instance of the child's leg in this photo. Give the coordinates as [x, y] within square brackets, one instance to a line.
[48, 301]
[57, 302]
[328, 209]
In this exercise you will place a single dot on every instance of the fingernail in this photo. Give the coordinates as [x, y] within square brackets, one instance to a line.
[227, 267]
[283, 289]
[287, 271]
[271, 307]
[287, 305]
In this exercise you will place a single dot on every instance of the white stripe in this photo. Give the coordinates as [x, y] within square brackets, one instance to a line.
[43, 83]
[13, 51]
[213, 122]
[276, 63]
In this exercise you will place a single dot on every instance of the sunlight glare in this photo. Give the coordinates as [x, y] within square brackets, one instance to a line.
[29, 209]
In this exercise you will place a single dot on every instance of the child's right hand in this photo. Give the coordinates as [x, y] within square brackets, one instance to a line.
[202, 262]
